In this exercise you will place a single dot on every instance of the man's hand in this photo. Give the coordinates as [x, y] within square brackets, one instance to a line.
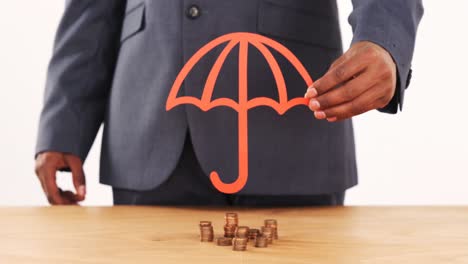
[47, 165]
[362, 79]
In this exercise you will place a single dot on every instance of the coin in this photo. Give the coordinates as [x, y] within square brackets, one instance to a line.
[206, 231]
[231, 224]
[223, 241]
[253, 233]
[205, 223]
[239, 244]
[273, 224]
[242, 231]
[261, 242]
[268, 233]
[231, 219]
[229, 231]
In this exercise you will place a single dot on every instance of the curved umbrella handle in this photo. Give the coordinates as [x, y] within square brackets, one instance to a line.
[241, 180]
[228, 188]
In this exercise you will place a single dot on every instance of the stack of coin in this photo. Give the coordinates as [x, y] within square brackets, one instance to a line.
[253, 233]
[206, 231]
[242, 232]
[231, 224]
[229, 231]
[261, 241]
[231, 219]
[223, 241]
[239, 243]
[274, 225]
[267, 232]
[238, 236]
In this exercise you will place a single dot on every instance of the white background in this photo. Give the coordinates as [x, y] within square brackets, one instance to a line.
[419, 156]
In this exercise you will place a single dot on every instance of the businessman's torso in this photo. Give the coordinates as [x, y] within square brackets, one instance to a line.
[290, 153]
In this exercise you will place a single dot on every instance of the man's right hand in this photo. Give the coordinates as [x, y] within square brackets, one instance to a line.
[47, 165]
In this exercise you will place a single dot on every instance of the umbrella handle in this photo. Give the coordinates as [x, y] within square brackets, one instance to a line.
[241, 180]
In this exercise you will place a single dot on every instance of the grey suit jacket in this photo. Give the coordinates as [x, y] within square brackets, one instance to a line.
[115, 61]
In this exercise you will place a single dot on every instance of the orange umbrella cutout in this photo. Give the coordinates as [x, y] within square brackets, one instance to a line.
[243, 39]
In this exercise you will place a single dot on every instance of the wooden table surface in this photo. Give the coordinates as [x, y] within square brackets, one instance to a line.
[171, 235]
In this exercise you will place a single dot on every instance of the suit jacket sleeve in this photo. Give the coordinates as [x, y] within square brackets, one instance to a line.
[79, 75]
[391, 24]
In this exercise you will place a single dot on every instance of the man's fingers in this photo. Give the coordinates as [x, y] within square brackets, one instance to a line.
[45, 168]
[52, 191]
[367, 101]
[338, 75]
[68, 197]
[40, 177]
[345, 93]
[76, 167]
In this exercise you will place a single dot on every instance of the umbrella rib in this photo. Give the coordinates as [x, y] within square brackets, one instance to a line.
[275, 68]
[213, 75]
[243, 61]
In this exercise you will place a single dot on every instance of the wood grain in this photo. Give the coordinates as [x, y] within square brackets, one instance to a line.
[170, 235]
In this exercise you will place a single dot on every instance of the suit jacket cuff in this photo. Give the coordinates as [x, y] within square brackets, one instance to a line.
[393, 26]
[63, 138]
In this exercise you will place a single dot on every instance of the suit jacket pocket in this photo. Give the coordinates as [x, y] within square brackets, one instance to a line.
[298, 24]
[134, 22]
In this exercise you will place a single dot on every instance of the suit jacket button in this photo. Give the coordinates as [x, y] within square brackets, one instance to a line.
[193, 12]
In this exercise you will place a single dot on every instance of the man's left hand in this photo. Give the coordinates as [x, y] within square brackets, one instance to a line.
[362, 79]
